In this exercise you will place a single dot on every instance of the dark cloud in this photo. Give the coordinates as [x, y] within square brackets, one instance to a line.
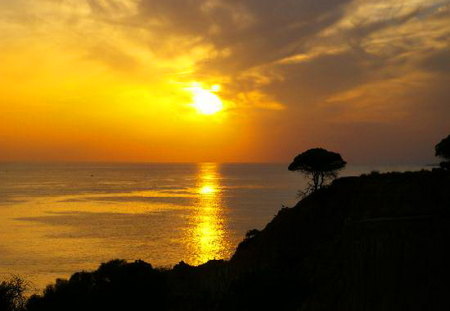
[438, 61]
[254, 32]
[315, 80]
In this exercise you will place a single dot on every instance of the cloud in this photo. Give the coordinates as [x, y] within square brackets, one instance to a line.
[253, 32]
[354, 63]
[438, 62]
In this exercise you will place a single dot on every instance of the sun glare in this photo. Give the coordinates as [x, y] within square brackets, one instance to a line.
[205, 101]
[207, 189]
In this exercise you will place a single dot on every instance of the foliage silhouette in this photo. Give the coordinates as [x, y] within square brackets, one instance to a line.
[320, 165]
[442, 150]
[116, 285]
[12, 294]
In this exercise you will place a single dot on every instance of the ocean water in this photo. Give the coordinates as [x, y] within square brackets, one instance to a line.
[56, 219]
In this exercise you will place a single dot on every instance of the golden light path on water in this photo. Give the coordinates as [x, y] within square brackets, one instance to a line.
[209, 237]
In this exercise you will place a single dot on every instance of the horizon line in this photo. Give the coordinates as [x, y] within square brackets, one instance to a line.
[198, 162]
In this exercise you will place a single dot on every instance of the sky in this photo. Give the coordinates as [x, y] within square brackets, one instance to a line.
[120, 80]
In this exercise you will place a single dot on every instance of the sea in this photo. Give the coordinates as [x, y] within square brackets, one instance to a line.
[59, 218]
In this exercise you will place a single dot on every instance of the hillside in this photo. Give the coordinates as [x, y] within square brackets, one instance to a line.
[374, 242]
[377, 242]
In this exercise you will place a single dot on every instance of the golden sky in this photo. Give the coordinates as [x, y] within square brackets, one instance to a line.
[125, 80]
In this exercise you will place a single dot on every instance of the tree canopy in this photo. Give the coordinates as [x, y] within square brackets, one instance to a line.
[319, 164]
[443, 151]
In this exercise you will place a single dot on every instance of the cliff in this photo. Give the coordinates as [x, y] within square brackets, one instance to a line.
[374, 242]
[377, 242]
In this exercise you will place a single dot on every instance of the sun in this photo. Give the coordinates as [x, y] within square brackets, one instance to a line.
[205, 101]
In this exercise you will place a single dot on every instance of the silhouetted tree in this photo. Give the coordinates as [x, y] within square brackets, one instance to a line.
[443, 151]
[319, 165]
[12, 294]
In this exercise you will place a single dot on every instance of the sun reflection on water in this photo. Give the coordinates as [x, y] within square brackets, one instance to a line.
[207, 189]
[210, 239]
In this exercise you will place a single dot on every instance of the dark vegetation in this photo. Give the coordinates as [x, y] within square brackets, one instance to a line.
[374, 242]
[319, 165]
[12, 296]
[116, 285]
